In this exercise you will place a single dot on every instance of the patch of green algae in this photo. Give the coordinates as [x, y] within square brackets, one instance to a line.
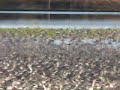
[83, 33]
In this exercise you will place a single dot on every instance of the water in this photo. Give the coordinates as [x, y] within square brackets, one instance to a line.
[60, 23]
[60, 12]
[105, 43]
[59, 19]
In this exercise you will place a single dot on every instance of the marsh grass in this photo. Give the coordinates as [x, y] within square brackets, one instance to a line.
[83, 33]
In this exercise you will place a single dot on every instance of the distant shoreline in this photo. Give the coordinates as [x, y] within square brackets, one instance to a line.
[58, 12]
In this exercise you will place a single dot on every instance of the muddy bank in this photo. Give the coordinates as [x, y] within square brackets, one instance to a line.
[63, 61]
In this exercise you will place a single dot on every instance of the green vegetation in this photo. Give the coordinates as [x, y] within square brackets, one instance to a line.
[83, 33]
[28, 31]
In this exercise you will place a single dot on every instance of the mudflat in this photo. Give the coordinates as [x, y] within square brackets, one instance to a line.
[39, 59]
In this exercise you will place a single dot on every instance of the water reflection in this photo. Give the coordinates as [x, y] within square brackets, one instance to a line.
[58, 16]
[59, 21]
[105, 43]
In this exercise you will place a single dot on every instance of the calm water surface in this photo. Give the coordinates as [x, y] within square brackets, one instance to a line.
[60, 23]
[69, 20]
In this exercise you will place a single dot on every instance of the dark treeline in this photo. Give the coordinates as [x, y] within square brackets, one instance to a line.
[87, 5]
